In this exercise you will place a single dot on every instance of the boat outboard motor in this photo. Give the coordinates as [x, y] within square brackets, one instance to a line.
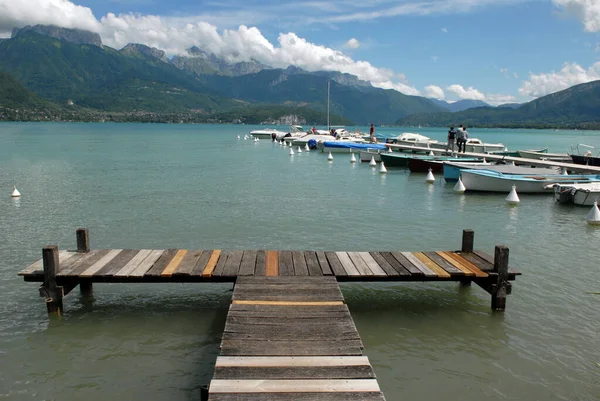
[274, 136]
[312, 144]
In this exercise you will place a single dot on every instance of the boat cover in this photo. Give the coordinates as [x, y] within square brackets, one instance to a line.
[354, 145]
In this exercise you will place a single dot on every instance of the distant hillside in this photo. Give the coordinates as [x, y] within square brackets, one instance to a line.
[573, 107]
[460, 105]
[13, 95]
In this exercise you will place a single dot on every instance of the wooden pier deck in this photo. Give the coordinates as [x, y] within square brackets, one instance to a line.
[291, 338]
[520, 160]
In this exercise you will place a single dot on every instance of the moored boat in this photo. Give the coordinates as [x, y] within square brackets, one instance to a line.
[436, 164]
[581, 194]
[494, 181]
[452, 169]
[349, 146]
[557, 157]
[413, 139]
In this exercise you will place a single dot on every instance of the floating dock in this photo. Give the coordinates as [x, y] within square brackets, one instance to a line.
[288, 335]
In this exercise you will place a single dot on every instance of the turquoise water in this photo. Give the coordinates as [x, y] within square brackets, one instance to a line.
[197, 186]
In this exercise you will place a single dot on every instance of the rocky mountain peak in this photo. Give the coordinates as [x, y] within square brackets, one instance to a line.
[76, 36]
[136, 48]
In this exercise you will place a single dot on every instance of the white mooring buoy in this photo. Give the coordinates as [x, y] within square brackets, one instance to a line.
[459, 187]
[299, 149]
[382, 169]
[239, 137]
[291, 152]
[593, 217]
[564, 172]
[513, 198]
[430, 179]
[330, 157]
[306, 148]
[431, 153]
[15, 193]
[372, 163]
[245, 137]
[352, 158]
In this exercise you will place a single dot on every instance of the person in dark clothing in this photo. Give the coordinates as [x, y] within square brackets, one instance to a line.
[451, 139]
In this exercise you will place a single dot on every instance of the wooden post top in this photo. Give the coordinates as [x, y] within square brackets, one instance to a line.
[83, 240]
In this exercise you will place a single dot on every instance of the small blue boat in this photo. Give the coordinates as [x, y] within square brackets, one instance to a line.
[349, 146]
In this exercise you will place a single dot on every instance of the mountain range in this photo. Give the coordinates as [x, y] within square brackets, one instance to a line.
[70, 71]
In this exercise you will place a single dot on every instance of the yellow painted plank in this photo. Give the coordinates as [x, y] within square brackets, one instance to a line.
[212, 263]
[272, 263]
[174, 264]
[476, 270]
[431, 265]
[454, 263]
[288, 303]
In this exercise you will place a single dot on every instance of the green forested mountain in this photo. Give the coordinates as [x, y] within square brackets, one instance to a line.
[573, 107]
[14, 95]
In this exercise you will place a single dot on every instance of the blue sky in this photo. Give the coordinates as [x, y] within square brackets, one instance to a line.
[494, 50]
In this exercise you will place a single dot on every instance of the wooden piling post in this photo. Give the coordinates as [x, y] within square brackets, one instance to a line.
[83, 240]
[467, 240]
[501, 268]
[49, 290]
[83, 246]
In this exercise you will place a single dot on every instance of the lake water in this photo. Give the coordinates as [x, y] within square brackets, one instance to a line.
[198, 187]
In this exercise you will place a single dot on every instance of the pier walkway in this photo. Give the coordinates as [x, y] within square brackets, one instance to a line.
[291, 338]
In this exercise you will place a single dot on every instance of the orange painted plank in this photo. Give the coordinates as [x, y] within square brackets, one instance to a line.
[212, 263]
[454, 263]
[476, 270]
[272, 261]
[174, 263]
[431, 265]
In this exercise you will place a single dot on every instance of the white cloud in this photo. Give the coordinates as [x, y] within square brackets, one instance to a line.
[586, 11]
[435, 58]
[435, 92]
[495, 99]
[466, 93]
[352, 44]
[504, 70]
[515, 75]
[445, 30]
[176, 34]
[571, 74]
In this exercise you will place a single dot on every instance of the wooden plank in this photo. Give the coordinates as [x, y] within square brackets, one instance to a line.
[261, 263]
[287, 303]
[419, 265]
[117, 263]
[336, 319]
[278, 311]
[38, 266]
[347, 264]
[211, 264]
[293, 373]
[163, 261]
[312, 263]
[360, 264]
[468, 265]
[292, 386]
[232, 265]
[339, 396]
[372, 264]
[133, 263]
[220, 267]
[483, 264]
[248, 264]
[291, 347]
[406, 264]
[449, 268]
[90, 271]
[490, 259]
[202, 263]
[293, 332]
[431, 265]
[335, 264]
[448, 259]
[147, 263]
[272, 263]
[188, 263]
[288, 279]
[286, 264]
[300, 267]
[72, 263]
[290, 361]
[323, 263]
[174, 263]
[395, 264]
[383, 264]
[82, 264]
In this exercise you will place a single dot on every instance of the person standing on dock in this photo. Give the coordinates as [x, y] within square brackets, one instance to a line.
[460, 135]
[465, 137]
[451, 138]
[372, 134]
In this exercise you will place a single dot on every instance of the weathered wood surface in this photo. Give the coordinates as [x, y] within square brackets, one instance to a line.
[180, 265]
[293, 338]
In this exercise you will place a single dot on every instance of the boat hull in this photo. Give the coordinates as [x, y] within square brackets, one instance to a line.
[586, 160]
[452, 170]
[349, 147]
[492, 181]
[365, 156]
[586, 197]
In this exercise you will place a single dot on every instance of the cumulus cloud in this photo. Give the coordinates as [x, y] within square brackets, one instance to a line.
[176, 34]
[466, 93]
[445, 30]
[570, 74]
[435, 92]
[352, 44]
[586, 11]
[435, 58]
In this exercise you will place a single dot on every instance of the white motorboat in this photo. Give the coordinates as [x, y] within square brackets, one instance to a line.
[477, 145]
[452, 169]
[414, 139]
[581, 194]
[294, 130]
[493, 181]
[530, 154]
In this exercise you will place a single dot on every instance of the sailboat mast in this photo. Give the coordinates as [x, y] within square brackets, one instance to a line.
[328, 87]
